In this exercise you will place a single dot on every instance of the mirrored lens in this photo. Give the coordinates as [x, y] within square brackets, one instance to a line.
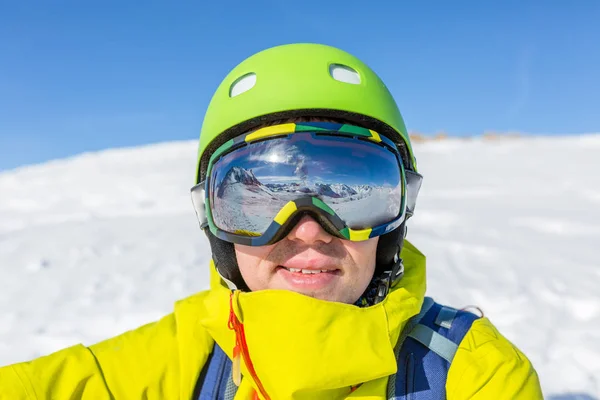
[360, 180]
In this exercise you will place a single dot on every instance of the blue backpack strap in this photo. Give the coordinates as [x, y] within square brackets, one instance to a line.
[215, 381]
[427, 351]
[427, 304]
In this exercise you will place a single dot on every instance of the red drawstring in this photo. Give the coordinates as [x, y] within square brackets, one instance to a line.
[242, 347]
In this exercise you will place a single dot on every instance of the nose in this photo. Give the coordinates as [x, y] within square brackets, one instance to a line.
[309, 231]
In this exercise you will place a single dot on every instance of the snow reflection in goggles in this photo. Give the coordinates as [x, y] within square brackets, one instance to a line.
[350, 179]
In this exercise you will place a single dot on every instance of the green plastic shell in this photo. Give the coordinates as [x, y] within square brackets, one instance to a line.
[297, 77]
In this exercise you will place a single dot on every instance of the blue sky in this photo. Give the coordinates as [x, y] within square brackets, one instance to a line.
[87, 75]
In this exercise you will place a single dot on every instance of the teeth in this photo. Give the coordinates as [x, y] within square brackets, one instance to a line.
[307, 271]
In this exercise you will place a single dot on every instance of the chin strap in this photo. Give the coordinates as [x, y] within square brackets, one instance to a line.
[390, 267]
[388, 279]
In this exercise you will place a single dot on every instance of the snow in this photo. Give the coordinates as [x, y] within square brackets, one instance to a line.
[104, 242]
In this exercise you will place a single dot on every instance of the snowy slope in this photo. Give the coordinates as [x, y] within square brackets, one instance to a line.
[101, 243]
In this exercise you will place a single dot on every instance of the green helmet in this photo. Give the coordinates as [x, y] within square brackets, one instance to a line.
[300, 80]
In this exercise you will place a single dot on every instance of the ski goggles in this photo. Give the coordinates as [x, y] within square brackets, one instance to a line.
[350, 179]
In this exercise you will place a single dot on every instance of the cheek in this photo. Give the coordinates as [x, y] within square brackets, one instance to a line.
[364, 253]
[250, 255]
[249, 259]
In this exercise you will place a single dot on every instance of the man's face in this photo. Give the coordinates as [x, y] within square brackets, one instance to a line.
[343, 268]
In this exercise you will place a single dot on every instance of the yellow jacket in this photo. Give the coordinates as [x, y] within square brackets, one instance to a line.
[294, 342]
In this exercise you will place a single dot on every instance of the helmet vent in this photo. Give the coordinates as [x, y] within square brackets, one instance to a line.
[242, 84]
[344, 73]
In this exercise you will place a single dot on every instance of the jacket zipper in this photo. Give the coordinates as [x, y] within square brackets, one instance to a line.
[242, 347]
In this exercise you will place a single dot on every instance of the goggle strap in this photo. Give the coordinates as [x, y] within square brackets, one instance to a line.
[198, 194]
[413, 186]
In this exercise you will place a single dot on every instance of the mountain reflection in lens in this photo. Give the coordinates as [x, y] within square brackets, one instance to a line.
[359, 180]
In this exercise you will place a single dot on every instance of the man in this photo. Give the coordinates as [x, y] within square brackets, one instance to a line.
[305, 180]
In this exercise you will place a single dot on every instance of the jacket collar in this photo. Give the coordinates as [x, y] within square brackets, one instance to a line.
[305, 348]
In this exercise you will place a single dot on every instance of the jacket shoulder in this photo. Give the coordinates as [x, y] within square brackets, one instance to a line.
[141, 361]
[161, 359]
[68, 373]
[487, 365]
[158, 360]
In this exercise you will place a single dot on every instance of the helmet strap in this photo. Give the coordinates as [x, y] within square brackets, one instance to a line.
[390, 267]
[388, 279]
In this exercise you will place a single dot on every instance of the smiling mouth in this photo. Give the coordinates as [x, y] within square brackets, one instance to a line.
[310, 271]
